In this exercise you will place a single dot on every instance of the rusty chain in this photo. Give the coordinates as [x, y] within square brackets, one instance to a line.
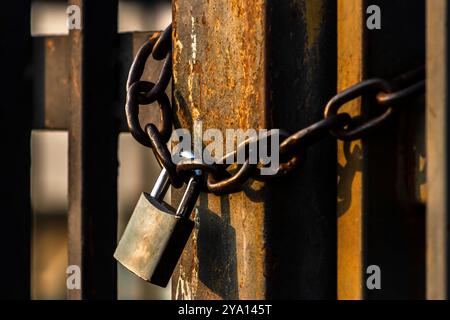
[383, 96]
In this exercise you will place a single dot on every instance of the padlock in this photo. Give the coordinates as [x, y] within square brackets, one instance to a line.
[156, 234]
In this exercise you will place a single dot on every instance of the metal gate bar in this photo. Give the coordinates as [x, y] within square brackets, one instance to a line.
[52, 85]
[381, 213]
[244, 65]
[51, 81]
[395, 182]
[349, 203]
[93, 133]
[438, 17]
[257, 65]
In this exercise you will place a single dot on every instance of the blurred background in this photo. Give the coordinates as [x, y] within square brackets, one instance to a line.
[49, 173]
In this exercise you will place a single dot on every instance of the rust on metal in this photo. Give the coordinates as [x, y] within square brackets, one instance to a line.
[219, 79]
[51, 84]
[350, 205]
[224, 78]
[129, 44]
[93, 134]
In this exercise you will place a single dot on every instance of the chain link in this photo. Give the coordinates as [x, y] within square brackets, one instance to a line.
[382, 95]
[141, 92]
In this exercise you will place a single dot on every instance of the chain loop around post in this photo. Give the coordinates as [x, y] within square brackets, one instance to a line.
[292, 148]
[159, 45]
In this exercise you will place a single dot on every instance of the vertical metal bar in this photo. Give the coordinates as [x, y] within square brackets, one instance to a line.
[437, 149]
[232, 69]
[350, 206]
[394, 215]
[224, 68]
[93, 150]
[379, 222]
[300, 210]
[15, 127]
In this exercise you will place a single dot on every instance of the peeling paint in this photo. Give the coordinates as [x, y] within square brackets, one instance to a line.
[193, 40]
[192, 74]
[184, 291]
[179, 46]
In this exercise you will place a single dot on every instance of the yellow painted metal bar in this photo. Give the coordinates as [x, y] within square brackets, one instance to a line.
[350, 200]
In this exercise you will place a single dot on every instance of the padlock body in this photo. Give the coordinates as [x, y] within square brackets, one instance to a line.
[153, 240]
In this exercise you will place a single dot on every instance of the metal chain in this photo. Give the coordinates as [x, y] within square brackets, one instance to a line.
[384, 95]
[140, 92]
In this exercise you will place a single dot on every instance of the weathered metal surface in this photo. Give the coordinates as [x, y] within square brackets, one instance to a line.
[51, 81]
[153, 240]
[349, 191]
[219, 78]
[93, 150]
[156, 234]
[301, 208]
[380, 216]
[230, 71]
[15, 128]
[438, 17]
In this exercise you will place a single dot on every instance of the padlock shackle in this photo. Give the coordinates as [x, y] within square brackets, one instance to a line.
[161, 185]
[190, 197]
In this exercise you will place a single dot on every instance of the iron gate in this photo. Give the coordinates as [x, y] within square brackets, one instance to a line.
[266, 64]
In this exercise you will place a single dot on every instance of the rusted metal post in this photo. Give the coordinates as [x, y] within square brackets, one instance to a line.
[15, 128]
[259, 64]
[93, 150]
[438, 17]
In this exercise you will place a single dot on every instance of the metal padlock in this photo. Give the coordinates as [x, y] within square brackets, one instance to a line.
[156, 234]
